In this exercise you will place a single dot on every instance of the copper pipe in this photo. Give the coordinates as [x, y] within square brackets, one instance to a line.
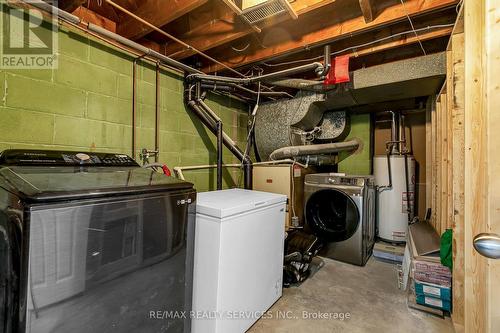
[95, 31]
[84, 28]
[134, 97]
[157, 112]
[155, 28]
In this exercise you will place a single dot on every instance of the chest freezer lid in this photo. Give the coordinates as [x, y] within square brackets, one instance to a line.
[225, 203]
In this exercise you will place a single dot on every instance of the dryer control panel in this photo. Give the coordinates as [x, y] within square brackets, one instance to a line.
[353, 181]
[64, 158]
[340, 179]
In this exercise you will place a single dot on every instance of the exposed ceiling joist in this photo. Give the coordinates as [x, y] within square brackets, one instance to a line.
[237, 11]
[70, 5]
[394, 46]
[329, 33]
[224, 30]
[428, 27]
[158, 13]
[367, 10]
[232, 6]
[402, 41]
[290, 10]
[92, 17]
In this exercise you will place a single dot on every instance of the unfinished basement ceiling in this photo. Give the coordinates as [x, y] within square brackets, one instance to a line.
[371, 31]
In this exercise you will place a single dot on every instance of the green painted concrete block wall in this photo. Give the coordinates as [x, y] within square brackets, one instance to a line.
[360, 162]
[86, 104]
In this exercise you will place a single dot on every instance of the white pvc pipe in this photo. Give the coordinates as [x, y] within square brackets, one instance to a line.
[178, 170]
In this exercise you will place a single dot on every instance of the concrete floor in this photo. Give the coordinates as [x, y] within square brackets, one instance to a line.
[368, 294]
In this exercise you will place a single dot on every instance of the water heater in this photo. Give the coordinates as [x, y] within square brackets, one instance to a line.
[393, 203]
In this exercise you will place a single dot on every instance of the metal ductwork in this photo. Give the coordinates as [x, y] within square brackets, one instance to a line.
[318, 113]
[210, 119]
[266, 10]
[196, 78]
[317, 149]
[295, 122]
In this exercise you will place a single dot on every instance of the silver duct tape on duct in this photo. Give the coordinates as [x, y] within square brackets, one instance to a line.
[290, 122]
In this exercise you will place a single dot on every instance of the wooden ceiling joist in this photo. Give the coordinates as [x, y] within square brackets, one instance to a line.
[378, 41]
[158, 13]
[328, 33]
[235, 9]
[92, 17]
[224, 30]
[70, 5]
[367, 10]
[402, 41]
[382, 51]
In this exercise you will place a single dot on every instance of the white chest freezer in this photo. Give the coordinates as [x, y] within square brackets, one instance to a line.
[238, 258]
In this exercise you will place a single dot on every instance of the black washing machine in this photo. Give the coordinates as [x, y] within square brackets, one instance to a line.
[92, 242]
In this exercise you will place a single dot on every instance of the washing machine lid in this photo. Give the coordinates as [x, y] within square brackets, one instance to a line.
[226, 203]
[38, 175]
[332, 215]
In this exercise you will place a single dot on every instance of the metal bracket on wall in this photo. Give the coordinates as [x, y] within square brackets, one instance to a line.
[146, 154]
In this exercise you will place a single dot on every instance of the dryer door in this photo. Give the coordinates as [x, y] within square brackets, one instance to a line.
[332, 215]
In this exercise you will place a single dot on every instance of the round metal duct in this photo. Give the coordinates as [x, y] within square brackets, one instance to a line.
[285, 123]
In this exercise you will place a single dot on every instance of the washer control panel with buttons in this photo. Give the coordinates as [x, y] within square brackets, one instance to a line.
[64, 158]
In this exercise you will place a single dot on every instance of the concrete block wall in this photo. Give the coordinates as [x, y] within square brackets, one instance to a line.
[359, 162]
[86, 104]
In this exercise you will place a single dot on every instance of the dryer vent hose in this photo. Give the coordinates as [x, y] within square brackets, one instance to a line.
[318, 149]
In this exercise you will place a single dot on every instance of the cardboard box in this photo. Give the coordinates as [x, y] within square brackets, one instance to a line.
[388, 252]
[432, 290]
[434, 302]
[283, 179]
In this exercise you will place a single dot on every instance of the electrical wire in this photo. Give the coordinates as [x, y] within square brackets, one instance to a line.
[412, 27]
[175, 39]
[360, 45]
[242, 49]
[250, 130]
[166, 34]
[252, 126]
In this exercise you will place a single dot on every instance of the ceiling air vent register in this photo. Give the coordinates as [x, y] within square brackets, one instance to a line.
[265, 10]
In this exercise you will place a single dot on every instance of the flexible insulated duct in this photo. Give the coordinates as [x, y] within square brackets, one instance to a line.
[325, 148]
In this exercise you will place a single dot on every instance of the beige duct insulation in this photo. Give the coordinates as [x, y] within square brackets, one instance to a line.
[324, 148]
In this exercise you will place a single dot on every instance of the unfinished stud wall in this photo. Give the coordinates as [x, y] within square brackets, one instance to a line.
[481, 162]
[86, 104]
[446, 174]
[463, 144]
